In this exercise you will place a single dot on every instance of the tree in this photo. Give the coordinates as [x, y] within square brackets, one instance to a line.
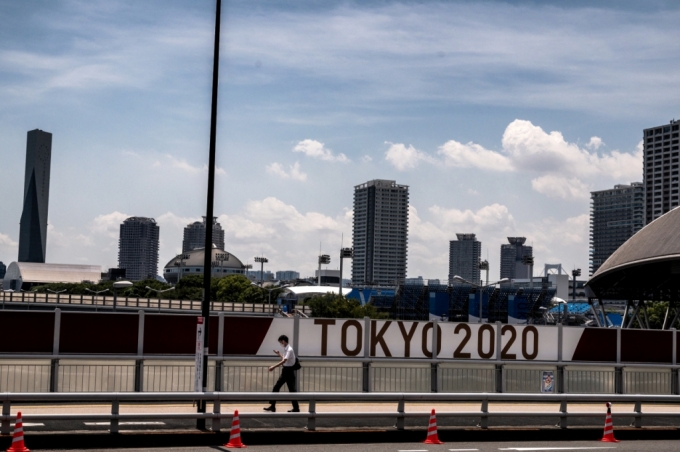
[336, 306]
[238, 289]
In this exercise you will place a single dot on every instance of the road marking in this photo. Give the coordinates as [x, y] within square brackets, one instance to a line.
[412, 450]
[30, 424]
[557, 448]
[125, 423]
[456, 450]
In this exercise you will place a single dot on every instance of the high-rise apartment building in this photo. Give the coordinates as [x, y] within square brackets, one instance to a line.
[511, 258]
[138, 248]
[464, 256]
[615, 215]
[287, 275]
[660, 169]
[33, 228]
[194, 235]
[3, 270]
[380, 232]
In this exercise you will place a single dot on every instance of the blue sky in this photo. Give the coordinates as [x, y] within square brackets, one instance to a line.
[500, 116]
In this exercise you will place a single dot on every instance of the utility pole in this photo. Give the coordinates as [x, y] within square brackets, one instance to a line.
[207, 261]
[262, 260]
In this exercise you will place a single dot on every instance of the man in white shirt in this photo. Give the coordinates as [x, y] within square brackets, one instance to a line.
[287, 373]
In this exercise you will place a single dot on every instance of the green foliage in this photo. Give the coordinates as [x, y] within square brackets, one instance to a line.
[656, 312]
[336, 306]
[238, 289]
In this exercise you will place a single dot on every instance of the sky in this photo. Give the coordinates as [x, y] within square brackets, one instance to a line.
[501, 117]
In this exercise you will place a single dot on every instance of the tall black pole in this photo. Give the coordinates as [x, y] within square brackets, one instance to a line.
[207, 261]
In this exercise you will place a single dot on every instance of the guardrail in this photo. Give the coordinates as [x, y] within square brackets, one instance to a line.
[10, 299]
[154, 373]
[314, 398]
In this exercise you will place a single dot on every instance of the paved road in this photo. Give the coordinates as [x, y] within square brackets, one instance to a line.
[585, 446]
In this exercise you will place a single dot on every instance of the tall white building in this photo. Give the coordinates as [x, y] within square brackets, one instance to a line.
[380, 232]
[660, 169]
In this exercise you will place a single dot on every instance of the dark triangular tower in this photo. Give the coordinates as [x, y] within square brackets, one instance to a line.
[33, 230]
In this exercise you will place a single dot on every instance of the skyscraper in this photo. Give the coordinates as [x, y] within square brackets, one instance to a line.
[33, 229]
[511, 258]
[464, 256]
[3, 270]
[660, 169]
[615, 215]
[380, 232]
[138, 248]
[194, 235]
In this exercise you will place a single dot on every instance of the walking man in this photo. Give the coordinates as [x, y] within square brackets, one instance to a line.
[287, 373]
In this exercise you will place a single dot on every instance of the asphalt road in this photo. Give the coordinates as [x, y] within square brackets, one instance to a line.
[547, 446]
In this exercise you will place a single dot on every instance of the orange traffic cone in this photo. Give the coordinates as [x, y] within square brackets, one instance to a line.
[18, 436]
[432, 436]
[608, 427]
[235, 436]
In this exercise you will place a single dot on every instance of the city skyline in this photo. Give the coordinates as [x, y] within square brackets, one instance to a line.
[497, 140]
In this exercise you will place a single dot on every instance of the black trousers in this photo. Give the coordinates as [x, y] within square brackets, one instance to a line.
[288, 378]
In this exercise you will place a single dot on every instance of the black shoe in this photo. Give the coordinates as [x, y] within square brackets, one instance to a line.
[294, 410]
[270, 408]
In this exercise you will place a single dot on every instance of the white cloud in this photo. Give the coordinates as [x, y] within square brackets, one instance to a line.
[404, 158]
[366, 158]
[555, 186]
[5, 240]
[473, 155]
[492, 217]
[565, 169]
[185, 166]
[317, 150]
[594, 143]
[294, 173]
[108, 224]
[560, 241]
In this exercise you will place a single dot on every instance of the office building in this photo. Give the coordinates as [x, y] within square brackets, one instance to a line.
[615, 215]
[464, 256]
[194, 235]
[3, 270]
[380, 233]
[660, 169]
[33, 228]
[138, 248]
[511, 258]
[287, 275]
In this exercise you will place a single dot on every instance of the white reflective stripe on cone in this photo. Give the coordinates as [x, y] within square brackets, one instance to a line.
[238, 435]
[20, 438]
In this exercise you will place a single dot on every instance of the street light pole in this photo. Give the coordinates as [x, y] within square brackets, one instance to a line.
[209, 214]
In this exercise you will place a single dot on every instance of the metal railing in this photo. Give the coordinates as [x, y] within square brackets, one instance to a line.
[68, 373]
[400, 400]
[12, 299]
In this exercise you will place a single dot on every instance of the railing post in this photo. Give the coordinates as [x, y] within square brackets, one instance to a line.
[618, 380]
[400, 417]
[560, 380]
[499, 378]
[216, 421]
[638, 415]
[219, 375]
[54, 375]
[139, 375]
[560, 341]
[311, 418]
[4, 428]
[115, 409]
[485, 411]
[434, 380]
[618, 345]
[563, 411]
[366, 376]
[296, 339]
[57, 331]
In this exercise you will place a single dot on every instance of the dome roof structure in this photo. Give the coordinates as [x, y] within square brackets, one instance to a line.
[646, 266]
[191, 263]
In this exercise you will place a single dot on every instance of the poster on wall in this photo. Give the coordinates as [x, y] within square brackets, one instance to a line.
[548, 382]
